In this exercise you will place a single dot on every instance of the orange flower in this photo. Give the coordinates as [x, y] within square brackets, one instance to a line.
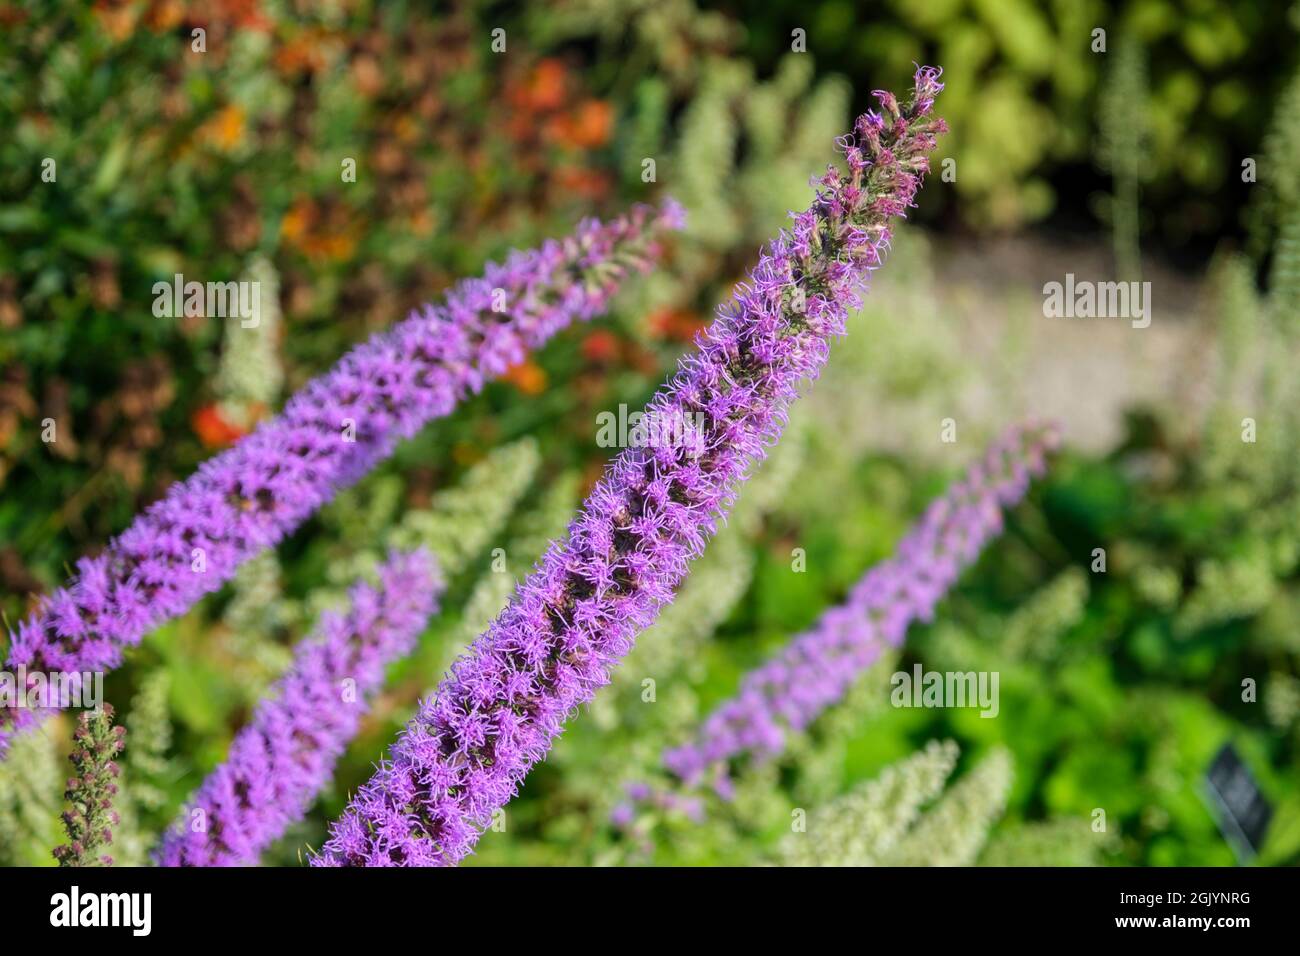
[213, 430]
[593, 122]
[302, 228]
[527, 376]
[297, 221]
[336, 247]
[546, 87]
[302, 54]
[600, 346]
[588, 126]
[225, 129]
[164, 15]
[116, 19]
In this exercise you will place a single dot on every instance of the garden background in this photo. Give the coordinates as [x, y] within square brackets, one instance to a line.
[1118, 687]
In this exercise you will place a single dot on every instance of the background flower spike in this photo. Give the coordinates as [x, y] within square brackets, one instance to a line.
[286, 754]
[330, 433]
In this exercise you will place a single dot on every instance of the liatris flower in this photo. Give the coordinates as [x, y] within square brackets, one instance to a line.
[817, 668]
[280, 761]
[470, 745]
[329, 434]
[91, 820]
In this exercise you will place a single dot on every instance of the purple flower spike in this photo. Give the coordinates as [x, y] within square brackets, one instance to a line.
[469, 747]
[818, 667]
[330, 434]
[282, 759]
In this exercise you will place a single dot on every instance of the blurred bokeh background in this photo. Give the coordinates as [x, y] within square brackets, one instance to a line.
[1168, 155]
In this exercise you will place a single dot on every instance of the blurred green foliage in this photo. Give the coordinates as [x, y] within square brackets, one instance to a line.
[1024, 90]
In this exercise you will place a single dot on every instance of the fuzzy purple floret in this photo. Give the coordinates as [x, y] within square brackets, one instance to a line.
[817, 668]
[250, 497]
[469, 747]
[281, 760]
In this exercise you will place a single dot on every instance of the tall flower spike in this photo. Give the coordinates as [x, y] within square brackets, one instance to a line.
[568, 625]
[817, 668]
[91, 790]
[282, 759]
[330, 434]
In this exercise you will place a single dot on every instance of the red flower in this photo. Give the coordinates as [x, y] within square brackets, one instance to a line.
[600, 346]
[213, 430]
